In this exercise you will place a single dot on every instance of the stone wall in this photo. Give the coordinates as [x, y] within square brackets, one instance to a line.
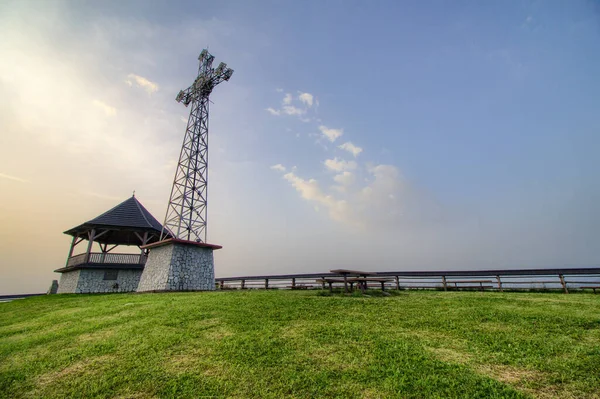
[92, 281]
[179, 267]
[88, 281]
[68, 282]
[156, 270]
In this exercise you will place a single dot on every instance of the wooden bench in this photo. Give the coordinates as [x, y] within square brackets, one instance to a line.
[591, 288]
[362, 282]
[330, 281]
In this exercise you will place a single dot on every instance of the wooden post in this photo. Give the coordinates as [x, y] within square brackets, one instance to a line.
[397, 283]
[266, 284]
[499, 283]
[221, 284]
[564, 284]
[382, 286]
[444, 282]
[144, 242]
[345, 283]
[323, 282]
[91, 236]
[72, 248]
[103, 250]
[243, 284]
[293, 282]
[330, 286]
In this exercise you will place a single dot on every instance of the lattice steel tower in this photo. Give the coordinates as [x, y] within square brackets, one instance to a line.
[186, 213]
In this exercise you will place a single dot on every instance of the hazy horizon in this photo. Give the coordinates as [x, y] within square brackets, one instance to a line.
[420, 135]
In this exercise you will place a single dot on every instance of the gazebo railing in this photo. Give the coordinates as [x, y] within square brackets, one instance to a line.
[107, 258]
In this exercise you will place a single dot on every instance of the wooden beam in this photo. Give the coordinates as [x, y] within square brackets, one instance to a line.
[563, 283]
[111, 248]
[91, 236]
[499, 283]
[101, 234]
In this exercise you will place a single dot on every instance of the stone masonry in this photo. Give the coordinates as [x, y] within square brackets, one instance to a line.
[92, 280]
[86, 281]
[68, 282]
[179, 266]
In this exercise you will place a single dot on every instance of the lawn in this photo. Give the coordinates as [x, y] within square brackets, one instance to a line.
[268, 344]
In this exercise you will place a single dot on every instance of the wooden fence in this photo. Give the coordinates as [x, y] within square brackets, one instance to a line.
[564, 279]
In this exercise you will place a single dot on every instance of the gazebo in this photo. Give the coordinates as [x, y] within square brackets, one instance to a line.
[127, 224]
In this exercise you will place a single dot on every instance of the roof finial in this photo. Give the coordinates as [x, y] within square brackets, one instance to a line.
[133, 194]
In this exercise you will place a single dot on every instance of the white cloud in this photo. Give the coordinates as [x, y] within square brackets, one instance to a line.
[287, 107]
[108, 110]
[14, 178]
[331, 134]
[306, 98]
[291, 110]
[339, 165]
[142, 82]
[310, 191]
[351, 148]
[279, 167]
[345, 178]
[382, 201]
[279, 90]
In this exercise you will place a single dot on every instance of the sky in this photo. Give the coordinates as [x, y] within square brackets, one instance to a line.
[387, 135]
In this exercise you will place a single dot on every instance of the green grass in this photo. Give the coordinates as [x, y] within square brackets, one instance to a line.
[267, 344]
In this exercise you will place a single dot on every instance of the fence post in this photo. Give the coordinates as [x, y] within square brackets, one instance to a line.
[221, 284]
[266, 284]
[397, 283]
[322, 282]
[563, 282]
[499, 283]
[243, 284]
[444, 282]
[293, 282]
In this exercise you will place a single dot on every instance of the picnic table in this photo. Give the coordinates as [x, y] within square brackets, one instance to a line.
[351, 277]
[350, 273]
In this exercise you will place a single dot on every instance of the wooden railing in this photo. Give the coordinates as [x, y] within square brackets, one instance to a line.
[108, 258]
[500, 280]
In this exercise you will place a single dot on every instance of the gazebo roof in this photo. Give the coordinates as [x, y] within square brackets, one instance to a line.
[124, 219]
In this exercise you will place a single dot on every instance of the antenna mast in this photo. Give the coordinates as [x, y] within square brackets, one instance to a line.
[186, 214]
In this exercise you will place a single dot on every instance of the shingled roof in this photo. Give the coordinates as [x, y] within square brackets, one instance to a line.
[129, 215]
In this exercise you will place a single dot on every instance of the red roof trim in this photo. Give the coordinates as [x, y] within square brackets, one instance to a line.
[178, 241]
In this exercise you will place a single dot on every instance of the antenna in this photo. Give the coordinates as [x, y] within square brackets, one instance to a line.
[186, 213]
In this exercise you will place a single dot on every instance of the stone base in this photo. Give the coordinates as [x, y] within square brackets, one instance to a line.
[53, 288]
[178, 265]
[91, 281]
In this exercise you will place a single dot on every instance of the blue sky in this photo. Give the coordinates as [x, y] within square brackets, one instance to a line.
[477, 124]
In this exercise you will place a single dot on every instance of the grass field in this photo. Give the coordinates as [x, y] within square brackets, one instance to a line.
[267, 344]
